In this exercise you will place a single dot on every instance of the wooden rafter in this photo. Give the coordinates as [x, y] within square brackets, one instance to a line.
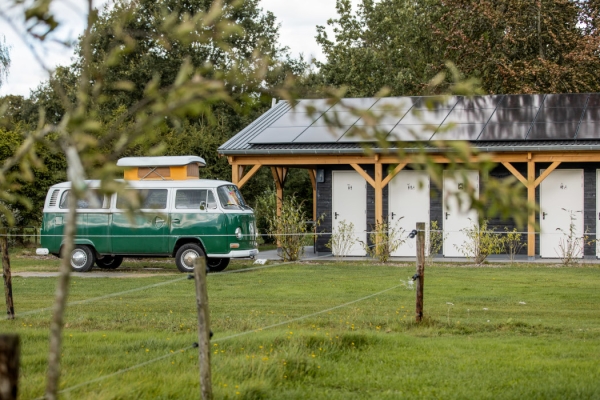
[248, 175]
[364, 174]
[547, 172]
[279, 174]
[516, 173]
[391, 176]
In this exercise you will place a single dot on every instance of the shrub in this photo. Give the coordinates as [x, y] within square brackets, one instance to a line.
[481, 242]
[435, 241]
[290, 229]
[511, 243]
[386, 240]
[570, 246]
[342, 239]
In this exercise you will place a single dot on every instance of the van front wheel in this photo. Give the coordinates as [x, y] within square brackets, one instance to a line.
[217, 264]
[186, 255]
[82, 258]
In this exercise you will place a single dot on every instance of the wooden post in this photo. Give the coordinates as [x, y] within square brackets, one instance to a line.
[203, 328]
[10, 308]
[9, 366]
[420, 270]
[531, 199]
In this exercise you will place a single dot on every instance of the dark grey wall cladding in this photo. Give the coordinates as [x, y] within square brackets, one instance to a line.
[324, 197]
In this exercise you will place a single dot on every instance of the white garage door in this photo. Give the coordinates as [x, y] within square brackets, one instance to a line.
[349, 205]
[408, 199]
[561, 203]
[457, 215]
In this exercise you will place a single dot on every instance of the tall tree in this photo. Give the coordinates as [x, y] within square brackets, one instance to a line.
[388, 43]
[517, 46]
[512, 46]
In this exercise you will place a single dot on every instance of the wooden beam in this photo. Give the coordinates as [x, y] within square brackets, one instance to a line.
[248, 175]
[516, 173]
[311, 160]
[362, 173]
[378, 195]
[547, 172]
[235, 173]
[391, 176]
[531, 200]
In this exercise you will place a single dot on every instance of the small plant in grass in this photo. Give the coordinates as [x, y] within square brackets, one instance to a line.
[570, 245]
[481, 242]
[512, 244]
[342, 239]
[290, 229]
[435, 240]
[385, 240]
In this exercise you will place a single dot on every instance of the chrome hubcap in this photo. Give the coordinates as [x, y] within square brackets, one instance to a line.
[78, 258]
[188, 258]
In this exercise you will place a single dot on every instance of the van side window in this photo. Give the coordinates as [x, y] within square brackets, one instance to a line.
[84, 203]
[155, 199]
[190, 199]
[195, 199]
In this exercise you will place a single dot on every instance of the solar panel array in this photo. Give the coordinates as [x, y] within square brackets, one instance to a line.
[479, 119]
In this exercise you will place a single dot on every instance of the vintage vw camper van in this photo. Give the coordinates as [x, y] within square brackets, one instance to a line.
[177, 218]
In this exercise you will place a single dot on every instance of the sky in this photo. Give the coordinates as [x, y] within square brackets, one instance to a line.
[298, 21]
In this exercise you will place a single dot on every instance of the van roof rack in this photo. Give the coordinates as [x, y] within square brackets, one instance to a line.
[161, 168]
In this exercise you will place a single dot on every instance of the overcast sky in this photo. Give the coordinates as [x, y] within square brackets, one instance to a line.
[298, 21]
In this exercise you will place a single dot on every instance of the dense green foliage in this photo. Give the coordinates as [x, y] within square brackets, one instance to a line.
[512, 46]
[512, 332]
[135, 52]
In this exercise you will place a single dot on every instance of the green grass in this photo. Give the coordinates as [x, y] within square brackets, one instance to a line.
[485, 345]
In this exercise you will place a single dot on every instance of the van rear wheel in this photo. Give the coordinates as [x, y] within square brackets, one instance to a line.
[217, 264]
[82, 258]
[109, 262]
[186, 255]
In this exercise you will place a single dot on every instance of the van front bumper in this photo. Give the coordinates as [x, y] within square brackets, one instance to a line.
[235, 254]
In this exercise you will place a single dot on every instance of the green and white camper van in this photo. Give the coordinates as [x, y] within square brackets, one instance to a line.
[177, 218]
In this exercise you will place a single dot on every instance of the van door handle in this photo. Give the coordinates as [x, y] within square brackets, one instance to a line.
[336, 215]
[447, 215]
[158, 222]
[176, 221]
[544, 215]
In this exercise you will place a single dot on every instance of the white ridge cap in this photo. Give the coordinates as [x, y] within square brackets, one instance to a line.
[163, 161]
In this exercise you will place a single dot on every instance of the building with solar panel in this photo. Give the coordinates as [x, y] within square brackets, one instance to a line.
[550, 143]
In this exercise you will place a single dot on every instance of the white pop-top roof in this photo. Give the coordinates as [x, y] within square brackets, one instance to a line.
[164, 161]
[183, 184]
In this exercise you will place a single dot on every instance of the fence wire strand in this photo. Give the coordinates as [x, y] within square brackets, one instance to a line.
[289, 321]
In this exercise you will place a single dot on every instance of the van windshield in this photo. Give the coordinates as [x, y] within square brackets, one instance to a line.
[231, 198]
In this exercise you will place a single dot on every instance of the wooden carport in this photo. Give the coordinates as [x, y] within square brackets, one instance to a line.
[554, 129]
[279, 165]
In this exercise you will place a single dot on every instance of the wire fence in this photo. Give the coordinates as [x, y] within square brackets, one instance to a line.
[95, 299]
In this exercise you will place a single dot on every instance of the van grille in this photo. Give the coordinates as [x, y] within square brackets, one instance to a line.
[53, 198]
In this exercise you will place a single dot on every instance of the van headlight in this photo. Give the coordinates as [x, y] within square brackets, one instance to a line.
[238, 233]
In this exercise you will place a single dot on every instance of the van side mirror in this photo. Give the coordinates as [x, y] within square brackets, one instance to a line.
[203, 205]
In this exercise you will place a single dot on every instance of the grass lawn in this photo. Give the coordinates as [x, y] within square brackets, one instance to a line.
[510, 332]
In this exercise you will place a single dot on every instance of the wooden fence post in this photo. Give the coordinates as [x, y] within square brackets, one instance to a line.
[10, 308]
[420, 275]
[9, 366]
[203, 328]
